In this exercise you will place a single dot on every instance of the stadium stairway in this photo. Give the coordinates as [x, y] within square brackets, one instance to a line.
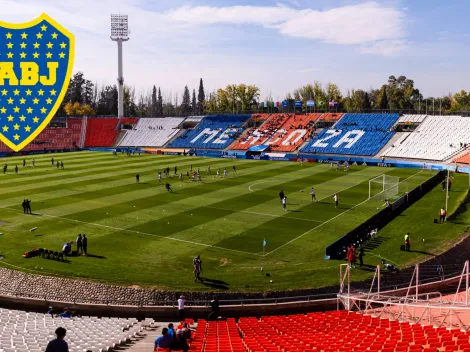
[397, 139]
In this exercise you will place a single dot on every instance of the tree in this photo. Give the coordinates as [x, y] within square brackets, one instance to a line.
[201, 98]
[130, 109]
[194, 102]
[247, 96]
[153, 106]
[75, 90]
[108, 101]
[77, 109]
[186, 102]
[383, 99]
[88, 92]
[159, 103]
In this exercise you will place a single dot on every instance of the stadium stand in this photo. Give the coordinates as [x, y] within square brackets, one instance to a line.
[152, 132]
[214, 132]
[463, 158]
[258, 136]
[101, 132]
[436, 138]
[55, 138]
[411, 118]
[331, 117]
[30, 332]
[128, 120]
[293, 133]
[343, 331]
[354, 134]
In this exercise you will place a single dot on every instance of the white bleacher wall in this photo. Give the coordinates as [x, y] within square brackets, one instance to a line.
[436, 138]
[152, 132]
[411, 118]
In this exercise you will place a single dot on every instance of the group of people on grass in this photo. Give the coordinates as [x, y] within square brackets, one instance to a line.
[82, 246]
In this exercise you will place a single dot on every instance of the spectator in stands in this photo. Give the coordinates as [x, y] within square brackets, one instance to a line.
[181, 308]
[215, 310]
[171, 331]
[181, 342]
[50, 311]
[66, 313]
[164, 340]
[58, 345]
[85, 244]
[79, 242]
[442, 216]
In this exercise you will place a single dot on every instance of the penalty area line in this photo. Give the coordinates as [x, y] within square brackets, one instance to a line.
[334, 217]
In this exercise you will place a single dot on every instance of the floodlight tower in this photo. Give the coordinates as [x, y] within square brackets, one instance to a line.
[120, 34]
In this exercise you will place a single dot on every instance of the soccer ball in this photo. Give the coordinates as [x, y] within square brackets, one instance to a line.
[271, 281]
[301, 190]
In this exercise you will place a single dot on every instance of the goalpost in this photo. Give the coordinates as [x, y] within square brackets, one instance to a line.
[384, 187]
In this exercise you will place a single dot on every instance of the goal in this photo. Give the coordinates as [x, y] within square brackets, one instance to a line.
[384, 187]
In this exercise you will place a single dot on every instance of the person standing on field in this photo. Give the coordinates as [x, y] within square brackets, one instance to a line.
[85, 244]
[336, 200]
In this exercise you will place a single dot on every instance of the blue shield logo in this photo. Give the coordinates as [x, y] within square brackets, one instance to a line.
[36, 61]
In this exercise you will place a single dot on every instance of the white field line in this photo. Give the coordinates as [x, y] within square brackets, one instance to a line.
[334, 217]
[142, 233]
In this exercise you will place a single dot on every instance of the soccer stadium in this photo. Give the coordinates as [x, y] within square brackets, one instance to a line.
[256, 226]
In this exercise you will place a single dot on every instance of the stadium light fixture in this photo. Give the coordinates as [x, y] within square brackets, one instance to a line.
[120, 34]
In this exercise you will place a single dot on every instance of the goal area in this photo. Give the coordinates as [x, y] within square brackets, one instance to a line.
[386, 187]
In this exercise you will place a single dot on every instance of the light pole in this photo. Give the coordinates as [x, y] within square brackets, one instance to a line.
[120, 34]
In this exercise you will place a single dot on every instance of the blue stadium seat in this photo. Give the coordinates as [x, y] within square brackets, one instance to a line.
[354, 134]
[214, 132]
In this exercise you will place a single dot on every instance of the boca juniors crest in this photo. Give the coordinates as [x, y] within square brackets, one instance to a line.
[36, 60]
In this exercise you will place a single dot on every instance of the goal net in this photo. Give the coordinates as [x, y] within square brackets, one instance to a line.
[384, 187]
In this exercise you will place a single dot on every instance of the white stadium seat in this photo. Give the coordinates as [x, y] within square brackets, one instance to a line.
[152, 132]
[436, 138]
[30, 332]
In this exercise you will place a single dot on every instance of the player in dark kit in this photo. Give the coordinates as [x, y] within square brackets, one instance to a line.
[52, 161]
[16, 169]
[281, 195]
[168, 187]
[137, 178]
[5, 167]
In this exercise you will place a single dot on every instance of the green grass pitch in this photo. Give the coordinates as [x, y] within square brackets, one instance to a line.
[140, 234]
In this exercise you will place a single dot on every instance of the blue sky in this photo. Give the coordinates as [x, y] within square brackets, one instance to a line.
[277, 45]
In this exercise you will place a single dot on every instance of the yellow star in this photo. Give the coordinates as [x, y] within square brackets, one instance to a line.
[23, 45]
[10, 118]
[36, 45]
[22, 118]
[54, 35]
[53, 92]
[24, 35]
[16, 126]
[43, 110]
[16, 137]
[16, 109]
[49, 100]
[49, 45]
[29, 110]
[43, 27]
[40, 92]
[3, 110]
[27, 128]
[16, 92]
[8, 35]
[10, 101]
[23, 55]
[48, 55]
[39, 35]
[10, 55]
[36, 55]
[61, 55]
[28, 92]
[35, 119]
[5, 128]
[22, 100]
[10, 45]
[63, 45]
[35, 100]
[4, 92]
